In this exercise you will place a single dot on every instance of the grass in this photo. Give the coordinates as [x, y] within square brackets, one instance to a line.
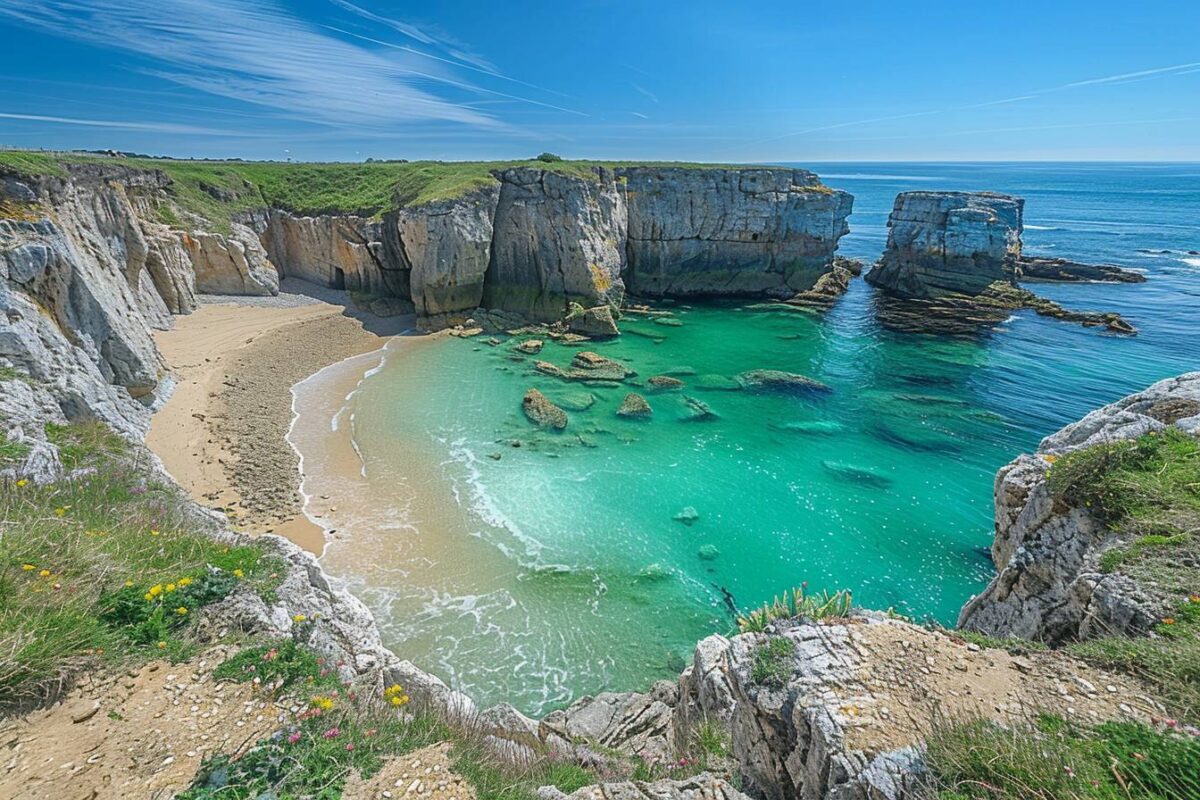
[797, 603]
[1054, 760]
[216, 190]
[344, 729]
[772, 661]
[1147, 490]
[95, 569]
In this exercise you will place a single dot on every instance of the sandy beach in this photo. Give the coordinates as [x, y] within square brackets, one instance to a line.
[222, 434]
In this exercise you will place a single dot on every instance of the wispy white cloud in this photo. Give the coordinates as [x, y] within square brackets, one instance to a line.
[1145, 73]
[651, 96]
[155, 127]
[257, 53]
[639, 115]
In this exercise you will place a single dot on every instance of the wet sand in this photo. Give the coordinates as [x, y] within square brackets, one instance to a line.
[222, 434]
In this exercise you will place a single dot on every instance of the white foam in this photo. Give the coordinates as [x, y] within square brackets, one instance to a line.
[1041, 228]
[1191, 262]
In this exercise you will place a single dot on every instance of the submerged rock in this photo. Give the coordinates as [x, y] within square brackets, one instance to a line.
[542, 412]
[688, 516]
[811, 427]
[698, 411]
[774, 380]
[634, 406]
[868, 476]
[668, 322]
[531, 346]
[587, 366]
[577, 401]
[708, 552]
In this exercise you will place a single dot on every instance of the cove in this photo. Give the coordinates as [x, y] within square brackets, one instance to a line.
[559, 569]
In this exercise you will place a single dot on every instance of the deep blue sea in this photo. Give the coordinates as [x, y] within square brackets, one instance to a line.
[540, 573]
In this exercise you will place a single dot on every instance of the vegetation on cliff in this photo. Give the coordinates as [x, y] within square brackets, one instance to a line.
[216, 190]
[102, 569]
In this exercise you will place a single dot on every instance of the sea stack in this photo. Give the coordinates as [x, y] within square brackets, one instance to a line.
[949, 243]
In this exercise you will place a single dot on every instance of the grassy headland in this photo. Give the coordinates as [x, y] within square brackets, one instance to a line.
[215, 190]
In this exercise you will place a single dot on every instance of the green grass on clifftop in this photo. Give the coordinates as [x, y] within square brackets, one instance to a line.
[1147, 491]
[215, 190]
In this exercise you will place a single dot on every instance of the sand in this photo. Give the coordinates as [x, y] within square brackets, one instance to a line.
[222, 433]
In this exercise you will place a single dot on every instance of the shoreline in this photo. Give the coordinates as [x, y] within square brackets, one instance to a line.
[223, 433]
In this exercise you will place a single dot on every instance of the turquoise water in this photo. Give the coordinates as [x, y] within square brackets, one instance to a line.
[558, 569]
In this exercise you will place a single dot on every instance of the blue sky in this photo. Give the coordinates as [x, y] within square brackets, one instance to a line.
[765, 81]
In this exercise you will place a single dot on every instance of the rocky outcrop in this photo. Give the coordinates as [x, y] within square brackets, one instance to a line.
[595, 323]
[953, 260]
[447, 247]
[949, 243]
[235, 264]
[700, 787]
[1061, 270]
[714, 231]
[1049, 585]
[634, 406]
[557, 238]
[830, 287]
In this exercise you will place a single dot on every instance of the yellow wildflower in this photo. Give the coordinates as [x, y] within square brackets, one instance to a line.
[181, 611]
[237, 573]
[299, 618]
[147, 597]
[128, 584]
[395, 695]
[156, 590]
[182, 582]
[153, 532]
[170, 587]
[1169, 621]
[28, 567]
[22, 483]
[162, 645]
[1049, 458]
[45, 573]
[322, 702]
[399, 700]
[60, 512]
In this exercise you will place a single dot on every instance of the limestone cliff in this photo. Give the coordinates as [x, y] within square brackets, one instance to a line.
[944, 242]
[1050, 585]
[768, 231]
[556, 239]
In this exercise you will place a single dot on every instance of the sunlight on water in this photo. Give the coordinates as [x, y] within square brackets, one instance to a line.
[539, 573]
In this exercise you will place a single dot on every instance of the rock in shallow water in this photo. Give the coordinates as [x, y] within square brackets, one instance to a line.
[634, 406]
[542, 412]
[774, 380]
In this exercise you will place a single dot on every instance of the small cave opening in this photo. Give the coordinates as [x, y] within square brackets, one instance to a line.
[339, 278]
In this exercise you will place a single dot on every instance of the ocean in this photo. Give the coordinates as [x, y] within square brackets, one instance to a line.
[543, 572]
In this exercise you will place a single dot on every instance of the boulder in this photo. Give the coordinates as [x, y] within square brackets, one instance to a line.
[530, 346]
[542, 412]
[235, 264]
[595, 323]
[634, 406]
[665, 382]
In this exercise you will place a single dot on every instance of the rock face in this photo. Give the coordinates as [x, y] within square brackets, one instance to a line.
[556, 239]
[447, 247]
[1061, 270]
[949, 242]
[1050, 586]
[342, 252]
[730, 231]
[236, 264]
[595, 323]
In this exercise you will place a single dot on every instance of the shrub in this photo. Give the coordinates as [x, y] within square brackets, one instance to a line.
[797, 603]
[772, 661]
[548, 157]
